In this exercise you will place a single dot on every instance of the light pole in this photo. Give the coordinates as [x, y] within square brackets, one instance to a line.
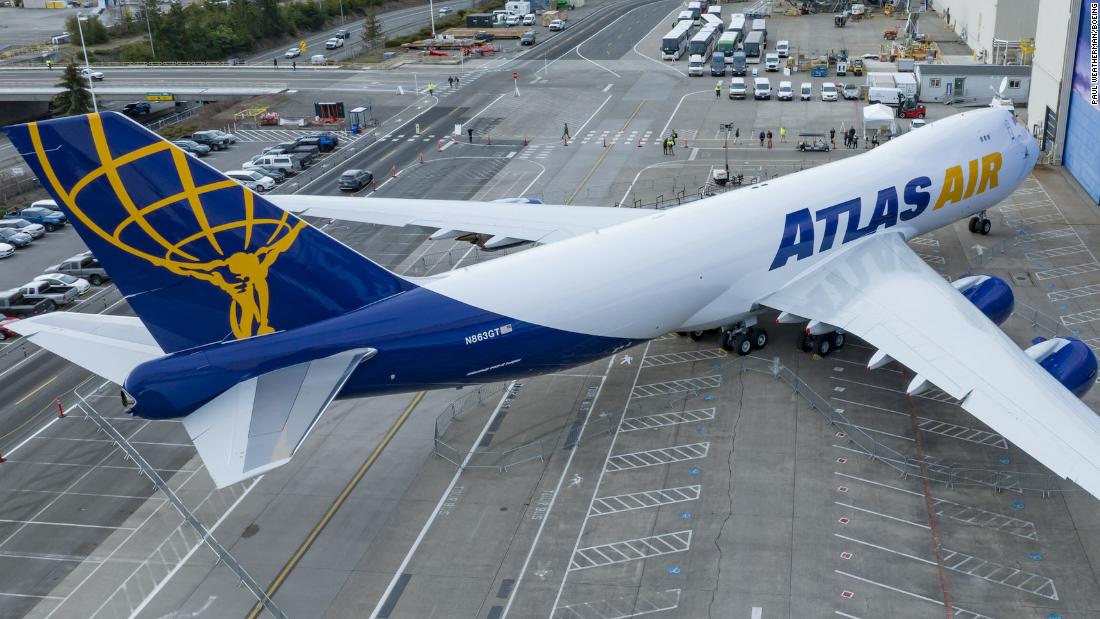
[148, 5]
[727, 127]
[87, 65]
[431, 15]
[341, 14]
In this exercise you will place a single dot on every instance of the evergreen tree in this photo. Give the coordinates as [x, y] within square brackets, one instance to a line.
[76, 99]
[372, 26]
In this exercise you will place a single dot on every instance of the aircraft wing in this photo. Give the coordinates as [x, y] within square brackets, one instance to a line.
[542, 223]
[881, 291]
[109, 346]
[258, 424]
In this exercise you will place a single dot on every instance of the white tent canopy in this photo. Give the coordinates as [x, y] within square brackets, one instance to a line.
[879, 116]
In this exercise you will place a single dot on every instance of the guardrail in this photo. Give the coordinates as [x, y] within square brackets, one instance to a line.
[950, 475]
[476, 458]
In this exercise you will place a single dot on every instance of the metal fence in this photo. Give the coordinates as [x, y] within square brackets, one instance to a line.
[204, 534]
[479, 458]
[950, 475]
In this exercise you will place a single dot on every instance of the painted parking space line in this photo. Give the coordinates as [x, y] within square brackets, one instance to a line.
[959, 613]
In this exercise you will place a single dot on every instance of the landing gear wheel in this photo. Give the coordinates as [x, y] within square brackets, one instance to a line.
[985, 226]
[728, 341]
[744, 345]
[973, 225]
[806, 342]
[823, 345]
[759, 339]
[838, 341]
[696, 335]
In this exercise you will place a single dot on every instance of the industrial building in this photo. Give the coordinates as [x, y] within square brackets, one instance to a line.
[942, 83]
[981, 23]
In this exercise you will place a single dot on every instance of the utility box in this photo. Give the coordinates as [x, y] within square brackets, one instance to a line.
[479, 20]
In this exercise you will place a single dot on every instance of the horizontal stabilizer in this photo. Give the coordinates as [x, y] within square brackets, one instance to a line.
[258, 424]
[109, 346]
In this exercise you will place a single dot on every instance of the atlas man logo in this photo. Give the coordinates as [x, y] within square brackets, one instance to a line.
[801, 228]
[210, 247]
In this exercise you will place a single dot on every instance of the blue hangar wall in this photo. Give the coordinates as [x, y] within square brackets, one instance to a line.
[1082, 150]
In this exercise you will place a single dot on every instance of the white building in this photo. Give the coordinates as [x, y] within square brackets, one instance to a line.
[971, 82]
[979, 22]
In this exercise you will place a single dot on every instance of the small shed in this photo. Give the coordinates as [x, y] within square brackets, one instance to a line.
[970, 82]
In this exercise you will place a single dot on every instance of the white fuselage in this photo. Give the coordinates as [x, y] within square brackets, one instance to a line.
[706, 264]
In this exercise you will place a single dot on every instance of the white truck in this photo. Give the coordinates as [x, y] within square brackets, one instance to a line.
[39, 290]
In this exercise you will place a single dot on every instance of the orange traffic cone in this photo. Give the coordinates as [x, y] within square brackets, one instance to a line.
[393, 171]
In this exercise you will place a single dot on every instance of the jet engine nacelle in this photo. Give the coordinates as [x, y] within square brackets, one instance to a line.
[1067, 359]
[989, 293]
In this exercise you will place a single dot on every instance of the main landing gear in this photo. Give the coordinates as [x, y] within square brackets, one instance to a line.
[742, 337]
[980, 224]
[822, 344]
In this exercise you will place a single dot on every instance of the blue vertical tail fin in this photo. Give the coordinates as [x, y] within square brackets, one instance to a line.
[200, 258]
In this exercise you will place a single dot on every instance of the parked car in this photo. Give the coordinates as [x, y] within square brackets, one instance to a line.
[211, 139]
[850, 92]
[529, 19]
[229, 137]
[785, 92]
[11, 236]
[275, 173]
[293, 52]
[513, 20]
[96, 76]
[82, 285]
[36, 231]
[258, 181]
[5, 332]
[917, 123]
[528, 38]
[193, 147]
[557, 25]
[481, 35]
[137, 108]
[771, 62]
[828, 91]
[6, 251]
[38, 289]
[334, 43]
[331, 135]
[323, 143]
[806, 91]
[761, 88]
[355, 179]
[42, 212]
[14, 304]
[84, 266]
[287, 164]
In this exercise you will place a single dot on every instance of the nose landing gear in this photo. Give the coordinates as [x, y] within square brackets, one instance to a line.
[980, 224]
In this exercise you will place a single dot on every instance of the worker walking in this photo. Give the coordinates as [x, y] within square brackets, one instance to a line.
[275, 62]
[762, 139]
[565, 134]
[718, 90]
[431, 89]
[782, 134]
[470, 134]
[451, 82]
[737, 135]
[832, 137]
[293, 65]
[769, 139]
[49, 64]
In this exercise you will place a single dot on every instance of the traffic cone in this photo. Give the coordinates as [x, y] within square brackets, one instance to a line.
[60, 411]
[421, 157]
[2, 458]
[373, 185]
[639, 141]
[488, 139]
[393, 171]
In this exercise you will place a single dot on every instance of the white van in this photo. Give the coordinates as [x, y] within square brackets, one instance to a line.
[761, 88]
[737, 88]
[318, 59]
[786, 91]
[783, 48]
[806, 91]
[828, 91]
[771, 62]
[695, 65]
[529, 19]
[885, 95]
